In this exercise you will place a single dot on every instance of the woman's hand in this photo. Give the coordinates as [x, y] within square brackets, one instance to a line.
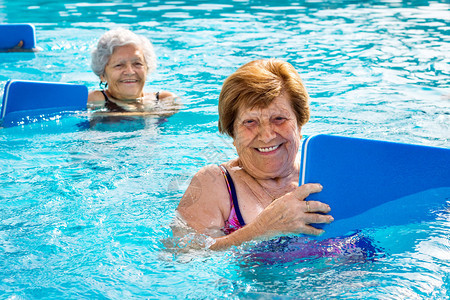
[292, 214]
[19, 48]
[287, 214]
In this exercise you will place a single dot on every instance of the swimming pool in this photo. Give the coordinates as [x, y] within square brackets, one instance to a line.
[85, 212]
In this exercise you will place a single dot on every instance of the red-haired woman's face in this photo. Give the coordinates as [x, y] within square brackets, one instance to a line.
[267, 139]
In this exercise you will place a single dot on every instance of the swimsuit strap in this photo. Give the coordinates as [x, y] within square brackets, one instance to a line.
[111, 106]
[233, 196]
[104, 95]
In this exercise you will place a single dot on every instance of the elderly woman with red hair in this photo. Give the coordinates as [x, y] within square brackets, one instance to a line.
[262, 107]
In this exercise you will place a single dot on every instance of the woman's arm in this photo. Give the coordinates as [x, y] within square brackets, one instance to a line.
[205, 207]
[287, 214]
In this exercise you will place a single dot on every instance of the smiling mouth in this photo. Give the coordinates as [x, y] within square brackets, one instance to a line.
[129, 81]
[268, 149]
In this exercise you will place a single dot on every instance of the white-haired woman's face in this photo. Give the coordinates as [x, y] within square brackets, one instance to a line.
[126, 72]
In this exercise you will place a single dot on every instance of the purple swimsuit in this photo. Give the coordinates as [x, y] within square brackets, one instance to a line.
[235, 220]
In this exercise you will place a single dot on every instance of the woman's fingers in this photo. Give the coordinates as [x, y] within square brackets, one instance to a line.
[19, 45]
[312, 230]
[318, 218]
[315, 211]
[305, 190]
[300, 212]
[316, 207]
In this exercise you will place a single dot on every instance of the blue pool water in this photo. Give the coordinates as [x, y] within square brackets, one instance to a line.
[85, 213]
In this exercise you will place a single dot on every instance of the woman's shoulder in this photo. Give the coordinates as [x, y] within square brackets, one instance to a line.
[168, 102]
[205, 205]
[160, 95]
[96, 96]
[166, 95]
[209, 173]
[207, 186]
[214, 175]
[232, 166]
[211, 179]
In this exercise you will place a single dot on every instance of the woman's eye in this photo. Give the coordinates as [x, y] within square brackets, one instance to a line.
[278, 120]
[249, 122]
[138, 64]
[118, 66]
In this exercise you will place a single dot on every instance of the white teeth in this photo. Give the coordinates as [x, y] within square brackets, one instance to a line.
[268, 149]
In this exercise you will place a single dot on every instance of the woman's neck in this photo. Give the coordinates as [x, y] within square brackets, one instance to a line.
[287, 178]
[266, 188]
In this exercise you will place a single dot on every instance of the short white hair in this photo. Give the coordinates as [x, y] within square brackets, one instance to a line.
[116, 38]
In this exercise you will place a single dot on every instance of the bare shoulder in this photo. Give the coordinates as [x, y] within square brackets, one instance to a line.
[205, 204]
[209, 173]
[166, 95]
[96, 96]
[169, 103]
[205, 183]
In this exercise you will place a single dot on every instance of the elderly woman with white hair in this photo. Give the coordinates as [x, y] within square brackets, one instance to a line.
[122, 60]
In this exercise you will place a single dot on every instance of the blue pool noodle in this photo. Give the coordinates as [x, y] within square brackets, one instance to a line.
[12, 34]
[28, 101]
[359, 175]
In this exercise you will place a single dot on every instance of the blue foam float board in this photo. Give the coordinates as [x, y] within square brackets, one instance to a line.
[362, 175]
[12, 34]
[25, 101]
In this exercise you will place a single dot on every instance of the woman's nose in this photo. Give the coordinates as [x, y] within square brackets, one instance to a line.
[129, 69]
[266, 132]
